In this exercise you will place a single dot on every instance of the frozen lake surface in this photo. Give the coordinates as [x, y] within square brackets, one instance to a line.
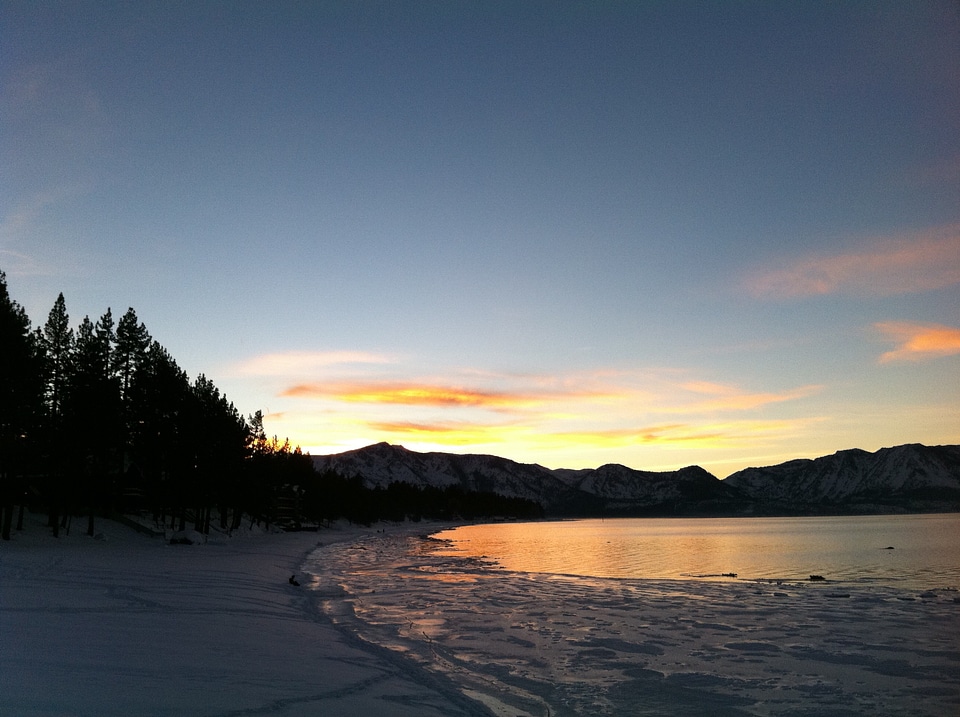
[549, 641]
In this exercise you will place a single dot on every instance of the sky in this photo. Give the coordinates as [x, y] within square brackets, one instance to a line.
[568, 233]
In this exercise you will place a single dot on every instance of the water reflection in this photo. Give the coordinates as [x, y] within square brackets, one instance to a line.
[921, 549]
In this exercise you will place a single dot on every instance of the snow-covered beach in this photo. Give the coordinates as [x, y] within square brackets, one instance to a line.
[384, 623]
[131, 625]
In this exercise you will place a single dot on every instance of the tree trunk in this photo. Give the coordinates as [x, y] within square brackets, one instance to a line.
[7, 520]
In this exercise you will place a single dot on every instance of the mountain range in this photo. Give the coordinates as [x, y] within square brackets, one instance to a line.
[907, 478]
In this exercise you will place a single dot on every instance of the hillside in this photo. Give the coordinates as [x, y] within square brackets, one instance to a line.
[608, 490]
[904, 478]
[908, 477]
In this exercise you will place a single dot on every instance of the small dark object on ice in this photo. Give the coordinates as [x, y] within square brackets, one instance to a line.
[817, 577]
[889, 547]
[293, 580]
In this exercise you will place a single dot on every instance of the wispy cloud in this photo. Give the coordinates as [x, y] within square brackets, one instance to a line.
[919, 262]
[919, 342]
[550, 437]
[733, 398]
[16, 263]
[457, 433]
[299, 363]
[744, 432]
[559, 396]
[18, 231]
[355, 394]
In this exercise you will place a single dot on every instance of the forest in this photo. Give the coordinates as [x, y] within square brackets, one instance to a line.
[100, 420]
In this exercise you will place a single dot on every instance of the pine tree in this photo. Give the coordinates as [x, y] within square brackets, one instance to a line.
[159, 404]
[21, 392]
[92, 416]
[220, 439]
[107, 339]
[57, 342]
[133, 340]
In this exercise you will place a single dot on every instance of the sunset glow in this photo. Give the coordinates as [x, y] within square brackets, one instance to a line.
[566, 233]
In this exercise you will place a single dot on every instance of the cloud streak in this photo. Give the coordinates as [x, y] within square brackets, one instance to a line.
[295, 363]
[926, 261]
[411, 394]
[570, 398]
[358, 396]
[732, 398]
[919, 342]
[707, 434]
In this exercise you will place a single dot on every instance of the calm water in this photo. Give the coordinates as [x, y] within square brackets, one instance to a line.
[914, 551]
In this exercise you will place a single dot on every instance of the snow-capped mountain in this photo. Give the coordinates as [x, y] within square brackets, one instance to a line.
[890, 476]
[625, 489]
[911, 476]
[610, 488]
[382, 464]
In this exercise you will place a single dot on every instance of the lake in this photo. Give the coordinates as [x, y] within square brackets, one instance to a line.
[629, 617]
[913, 551]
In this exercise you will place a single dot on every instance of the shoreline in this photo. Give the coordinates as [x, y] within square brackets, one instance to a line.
[133, 625]
[532, 644]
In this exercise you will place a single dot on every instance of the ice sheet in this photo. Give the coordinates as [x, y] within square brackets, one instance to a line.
[536, 644]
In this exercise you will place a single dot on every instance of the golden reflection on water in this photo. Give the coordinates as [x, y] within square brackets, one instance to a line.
[721, 548]
[599, 548]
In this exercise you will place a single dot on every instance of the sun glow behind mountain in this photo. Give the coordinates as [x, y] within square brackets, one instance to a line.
[569, 233]
[576, 419]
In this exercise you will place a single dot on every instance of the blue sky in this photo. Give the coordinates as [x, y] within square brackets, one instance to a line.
[648, 233]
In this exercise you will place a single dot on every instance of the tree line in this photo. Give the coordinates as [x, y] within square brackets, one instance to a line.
[101, 420]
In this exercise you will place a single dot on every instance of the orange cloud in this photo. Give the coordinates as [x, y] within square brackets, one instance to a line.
[925, 261]
[919, 342]
[564, 400]
[412, 394]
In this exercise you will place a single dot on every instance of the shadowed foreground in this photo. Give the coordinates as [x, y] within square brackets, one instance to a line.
[132, 625]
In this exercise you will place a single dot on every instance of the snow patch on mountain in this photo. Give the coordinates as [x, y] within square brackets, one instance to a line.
[906, 471]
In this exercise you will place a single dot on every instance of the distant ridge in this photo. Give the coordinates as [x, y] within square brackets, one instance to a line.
[908, 478]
